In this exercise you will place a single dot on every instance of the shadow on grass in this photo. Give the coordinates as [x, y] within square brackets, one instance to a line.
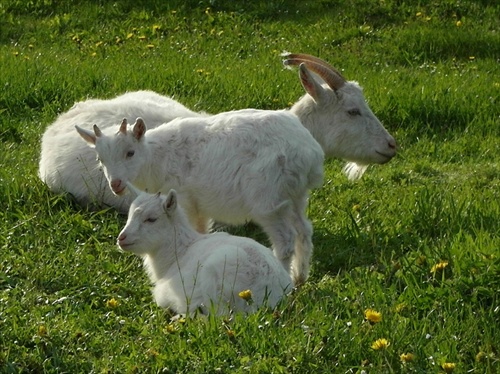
[333, 252]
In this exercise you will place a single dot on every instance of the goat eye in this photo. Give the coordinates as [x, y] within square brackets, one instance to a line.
[354, 112]
[151, 220]
[130, 154]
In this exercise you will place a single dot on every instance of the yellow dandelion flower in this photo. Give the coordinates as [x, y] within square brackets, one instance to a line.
[150, 46]
[407, 357]
[401, 307]
[380, 344]
[448, 367]
[98, 44]
[142, 37]
[230, 334]
[373, 316]
[156, 27]
[356, 207]
[419, 14]
[130, 35]
[112, 303]
[439, 266]
[246, 295]
[153, 352]
[459, 23]
[472, 58]
[93, 54]
[481, 356]
[170, 328]
[42, 330]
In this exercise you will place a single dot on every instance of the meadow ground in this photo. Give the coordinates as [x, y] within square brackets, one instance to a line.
[416, 240]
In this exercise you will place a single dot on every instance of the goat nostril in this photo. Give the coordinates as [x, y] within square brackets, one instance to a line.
[116, 183]
[392, 144]
[122, 237]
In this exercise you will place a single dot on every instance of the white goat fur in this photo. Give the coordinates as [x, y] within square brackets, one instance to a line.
[194, 272]
[231, 167]
[68, 165]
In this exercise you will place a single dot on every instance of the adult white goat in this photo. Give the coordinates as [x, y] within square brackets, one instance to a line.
[231, 167]
[68, 165]
[192, 272]
[338, 117]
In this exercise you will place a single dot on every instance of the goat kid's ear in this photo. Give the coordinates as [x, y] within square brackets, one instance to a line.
[310, 84]
[139, 128]
[123, 126]
[171, 202]
[89, 136]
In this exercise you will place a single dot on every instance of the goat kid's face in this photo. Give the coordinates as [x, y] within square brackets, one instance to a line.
[121, 155]
[342, 122]
[150, 224]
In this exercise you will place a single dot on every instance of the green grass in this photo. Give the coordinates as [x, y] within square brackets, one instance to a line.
[430, 72]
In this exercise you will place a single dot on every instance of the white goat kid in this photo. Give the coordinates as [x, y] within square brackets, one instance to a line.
[230, 167]
[338, 117]
[68, 165]
[192, 272]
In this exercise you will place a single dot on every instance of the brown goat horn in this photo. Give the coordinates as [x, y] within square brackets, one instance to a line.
[331, 75]
[305, 57]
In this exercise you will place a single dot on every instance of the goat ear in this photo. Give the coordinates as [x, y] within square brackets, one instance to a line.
[123, 126]
[171, 202]
[310, 84]
[139, 128]
[97, 131]
[89, 136]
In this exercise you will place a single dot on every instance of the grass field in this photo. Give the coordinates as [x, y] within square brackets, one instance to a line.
[416, 240]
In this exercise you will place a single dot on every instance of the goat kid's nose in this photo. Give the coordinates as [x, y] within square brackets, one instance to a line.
[115, 183]
[122, 237]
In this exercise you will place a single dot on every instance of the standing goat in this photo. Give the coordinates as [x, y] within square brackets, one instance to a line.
[68, 165]
[231, 167]
[338, 117]
[194, 272]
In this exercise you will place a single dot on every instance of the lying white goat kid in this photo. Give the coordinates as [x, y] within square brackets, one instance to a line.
[192, 272]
